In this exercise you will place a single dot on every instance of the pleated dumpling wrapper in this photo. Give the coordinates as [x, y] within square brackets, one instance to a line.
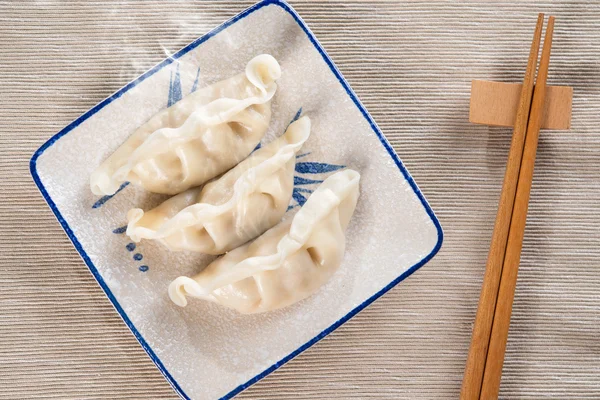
[229, 211]
[199, 137]
[288, 262]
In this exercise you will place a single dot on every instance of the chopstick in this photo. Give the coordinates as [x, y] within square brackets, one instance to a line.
[482, 327]
[508, 281]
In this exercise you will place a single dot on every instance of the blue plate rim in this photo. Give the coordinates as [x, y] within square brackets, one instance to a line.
[152, 71]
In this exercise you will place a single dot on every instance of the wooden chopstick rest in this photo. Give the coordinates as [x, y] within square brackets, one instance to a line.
[495, 103]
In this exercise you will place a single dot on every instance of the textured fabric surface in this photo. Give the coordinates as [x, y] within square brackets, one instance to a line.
[411, 63]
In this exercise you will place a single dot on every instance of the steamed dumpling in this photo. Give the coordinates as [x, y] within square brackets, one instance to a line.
[288, 262]
[237, 207]
[197, 138]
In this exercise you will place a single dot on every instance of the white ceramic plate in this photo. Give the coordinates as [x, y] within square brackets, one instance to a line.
[206, 351]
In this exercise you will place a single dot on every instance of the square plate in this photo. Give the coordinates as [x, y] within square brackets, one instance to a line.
[204, 350]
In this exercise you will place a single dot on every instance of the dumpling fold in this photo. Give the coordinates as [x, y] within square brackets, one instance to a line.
[288, 262]
[199, 137]
[229, 211]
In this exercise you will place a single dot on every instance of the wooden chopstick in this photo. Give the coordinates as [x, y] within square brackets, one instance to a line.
[495, 358]
[489, 290]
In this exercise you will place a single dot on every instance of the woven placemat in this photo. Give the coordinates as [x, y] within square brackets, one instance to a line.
[411, 63]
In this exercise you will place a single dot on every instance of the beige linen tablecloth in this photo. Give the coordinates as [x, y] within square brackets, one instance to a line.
[411, 63]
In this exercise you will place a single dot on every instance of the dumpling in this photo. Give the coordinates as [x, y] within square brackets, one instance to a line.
[237, 207]
[197, 138]
[288, 262]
